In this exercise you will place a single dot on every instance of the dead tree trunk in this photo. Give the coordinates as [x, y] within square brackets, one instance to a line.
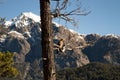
[47, 41]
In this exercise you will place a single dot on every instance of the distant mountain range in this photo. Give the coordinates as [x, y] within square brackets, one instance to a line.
[24, 40]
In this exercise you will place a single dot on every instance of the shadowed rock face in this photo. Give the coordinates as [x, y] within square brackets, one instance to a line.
[26, 43]
[106, 49]
[73, 56]
[17, 44]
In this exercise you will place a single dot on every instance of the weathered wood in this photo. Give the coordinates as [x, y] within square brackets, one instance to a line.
[47, 41]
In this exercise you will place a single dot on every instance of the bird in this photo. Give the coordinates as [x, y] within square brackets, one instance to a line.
[61, 45]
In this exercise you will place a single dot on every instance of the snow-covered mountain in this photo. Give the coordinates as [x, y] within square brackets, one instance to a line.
[26, 28]
[24, 18]
[24, 40]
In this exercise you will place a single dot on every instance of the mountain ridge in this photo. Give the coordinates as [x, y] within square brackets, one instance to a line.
[24, 40]
[27, 26]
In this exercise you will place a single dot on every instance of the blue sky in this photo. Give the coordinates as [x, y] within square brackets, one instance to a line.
[104, 18]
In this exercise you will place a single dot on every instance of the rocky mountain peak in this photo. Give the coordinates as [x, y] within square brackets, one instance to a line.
[24, 19]
[111, 36]
[26, 32]
[29, 15]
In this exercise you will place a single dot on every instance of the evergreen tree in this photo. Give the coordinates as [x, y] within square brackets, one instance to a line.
[6, 65]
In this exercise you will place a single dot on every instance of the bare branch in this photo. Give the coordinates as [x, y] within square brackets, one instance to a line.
[61, 6]
[66, 18]
[83, 14]
[64, 4]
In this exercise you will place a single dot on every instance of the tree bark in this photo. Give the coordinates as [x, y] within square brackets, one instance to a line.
[47, 41]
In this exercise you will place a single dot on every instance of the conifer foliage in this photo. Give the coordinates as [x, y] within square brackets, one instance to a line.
[6, 65]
